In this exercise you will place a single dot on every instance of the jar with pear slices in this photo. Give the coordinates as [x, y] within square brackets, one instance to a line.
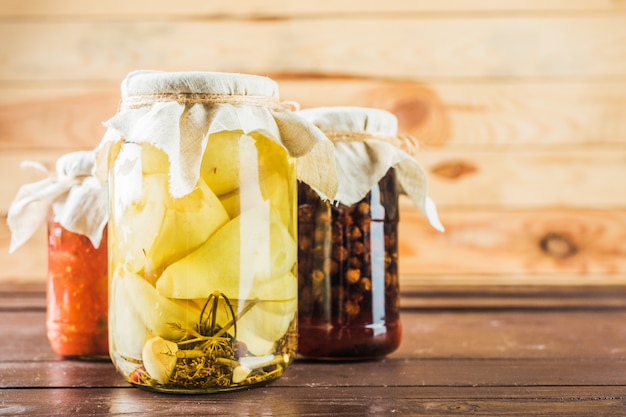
[203, 286]
[203, 279]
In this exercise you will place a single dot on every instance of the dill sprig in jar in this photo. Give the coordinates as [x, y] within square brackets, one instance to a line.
[348, 249]
[202, 169]
[74, 206]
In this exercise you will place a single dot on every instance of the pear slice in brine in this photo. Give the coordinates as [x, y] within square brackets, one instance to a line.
[161, 316]
[247, 251]
[159, 229]
[220, 162]
[128, 331]
[154, 160]
[268, 321]
[188, 222]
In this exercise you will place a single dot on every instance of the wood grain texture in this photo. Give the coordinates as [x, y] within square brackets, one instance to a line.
[323, 401]
[584, 242]
[520, 107]
[583, 178]
[487, 113]
[519, 178]
[286, 8]
[468, 335]
[494, 243]
[475, 361]
[466, 47]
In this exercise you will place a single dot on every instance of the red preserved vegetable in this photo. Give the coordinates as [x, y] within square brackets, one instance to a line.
[77, 295]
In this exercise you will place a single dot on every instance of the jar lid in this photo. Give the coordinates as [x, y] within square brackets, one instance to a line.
[146, 87]
[77, 199]
[367, 145]
[178, 111]
[375, 122]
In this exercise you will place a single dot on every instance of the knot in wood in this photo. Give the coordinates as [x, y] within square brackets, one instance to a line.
[558, 245]
[453, 169]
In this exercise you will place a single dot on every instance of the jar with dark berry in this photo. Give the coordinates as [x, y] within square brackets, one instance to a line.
[348, 280]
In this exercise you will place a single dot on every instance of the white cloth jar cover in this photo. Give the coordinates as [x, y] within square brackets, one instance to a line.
[76, 197]
[177, 111]
[367, 145]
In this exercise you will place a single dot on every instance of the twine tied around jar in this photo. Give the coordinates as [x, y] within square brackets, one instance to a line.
[407, 143]
[273, 103]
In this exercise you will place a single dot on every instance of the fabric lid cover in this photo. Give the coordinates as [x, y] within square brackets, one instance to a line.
[77, 199]
[177, 111]
[367, 145]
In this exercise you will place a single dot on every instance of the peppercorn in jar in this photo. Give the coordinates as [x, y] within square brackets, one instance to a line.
[202, 169]
[348, 285]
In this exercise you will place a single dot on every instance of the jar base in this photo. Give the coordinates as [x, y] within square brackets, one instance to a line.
[201, 391]
[87, 358]
[347, 343]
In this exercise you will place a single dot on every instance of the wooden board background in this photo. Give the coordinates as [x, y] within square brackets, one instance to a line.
[520, 107]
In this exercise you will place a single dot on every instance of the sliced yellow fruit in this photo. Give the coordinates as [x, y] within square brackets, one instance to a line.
[220, 163]
[154, 160]
[160, 315]
[159, 358]
[128, 331]
[231, 203]
[158, 229]
[137, 213]
[265, 323]
[237, 260]
[188, 222]
[251, 169]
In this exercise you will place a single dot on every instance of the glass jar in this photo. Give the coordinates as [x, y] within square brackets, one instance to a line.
[203, 285]
[348, 304]
[348, 245]
[72, 203]
[77, 295]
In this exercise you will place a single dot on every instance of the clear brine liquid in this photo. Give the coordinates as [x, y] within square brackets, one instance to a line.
[203, 290]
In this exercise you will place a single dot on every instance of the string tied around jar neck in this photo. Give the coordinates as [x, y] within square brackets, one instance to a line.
[407, 143]
[270, 102]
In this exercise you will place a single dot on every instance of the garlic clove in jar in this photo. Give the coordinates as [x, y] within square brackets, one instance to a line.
[159, 358]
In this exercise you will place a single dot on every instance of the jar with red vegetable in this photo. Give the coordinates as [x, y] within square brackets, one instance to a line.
[73, 205]
[77, 299]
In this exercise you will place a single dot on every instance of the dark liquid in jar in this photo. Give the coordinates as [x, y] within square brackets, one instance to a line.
[348, 275]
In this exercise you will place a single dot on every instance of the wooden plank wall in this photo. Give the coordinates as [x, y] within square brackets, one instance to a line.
[520, 106]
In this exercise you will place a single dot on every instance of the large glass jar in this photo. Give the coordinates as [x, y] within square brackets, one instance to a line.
[202, 232]
[77, 300]
[348, 246]
[348, 274]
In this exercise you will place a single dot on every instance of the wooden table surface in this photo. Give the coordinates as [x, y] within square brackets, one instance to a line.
[465, 351]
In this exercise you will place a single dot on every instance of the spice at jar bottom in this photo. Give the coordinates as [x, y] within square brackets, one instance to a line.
[348, 275]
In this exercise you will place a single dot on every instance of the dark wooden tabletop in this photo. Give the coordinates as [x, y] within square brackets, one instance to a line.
[465, 351]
